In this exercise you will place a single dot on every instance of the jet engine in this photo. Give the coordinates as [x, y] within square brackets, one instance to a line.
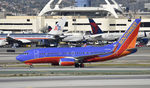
[67, 62]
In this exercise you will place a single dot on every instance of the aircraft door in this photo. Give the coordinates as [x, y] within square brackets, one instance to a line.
[73, 53]
[36, 53]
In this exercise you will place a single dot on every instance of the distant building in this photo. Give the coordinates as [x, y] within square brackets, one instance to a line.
[2, 15]
[83, 3]
[147, 6]
[77, 19]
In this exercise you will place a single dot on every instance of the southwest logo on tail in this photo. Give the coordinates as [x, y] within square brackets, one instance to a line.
[128, 40]
[94, 27]
[77, 56]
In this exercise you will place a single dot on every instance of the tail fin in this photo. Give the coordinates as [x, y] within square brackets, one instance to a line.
[128, 40]
[94, 27]
[59, 27]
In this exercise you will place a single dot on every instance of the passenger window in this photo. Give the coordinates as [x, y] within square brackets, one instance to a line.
[25, 53]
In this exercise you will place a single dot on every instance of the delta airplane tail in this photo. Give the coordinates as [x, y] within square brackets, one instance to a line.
[94, 27]
[59, 27]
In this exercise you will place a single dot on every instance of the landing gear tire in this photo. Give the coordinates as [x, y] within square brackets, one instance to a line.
[31, 66]
[81, 65]
[77, 65]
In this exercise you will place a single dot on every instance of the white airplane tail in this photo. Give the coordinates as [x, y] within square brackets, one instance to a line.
[59, 27]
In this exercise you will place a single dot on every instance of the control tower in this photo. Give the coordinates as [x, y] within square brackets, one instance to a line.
[83, 3]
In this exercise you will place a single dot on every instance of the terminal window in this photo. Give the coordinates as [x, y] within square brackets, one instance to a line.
[85, 24]
[28, 20]
[145, 24]
[117, 24]
[15, 23]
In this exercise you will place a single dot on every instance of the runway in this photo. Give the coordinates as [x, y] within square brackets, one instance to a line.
[74, 69]
[28, 72]
[105, 81]
[76, 81]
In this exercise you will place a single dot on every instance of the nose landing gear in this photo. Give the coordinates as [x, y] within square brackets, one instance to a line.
[30, 65]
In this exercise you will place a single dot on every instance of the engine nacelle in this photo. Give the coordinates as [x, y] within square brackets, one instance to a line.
[67, 62]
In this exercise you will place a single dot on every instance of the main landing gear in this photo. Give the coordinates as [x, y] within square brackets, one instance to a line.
[79, 65]
[31, 66]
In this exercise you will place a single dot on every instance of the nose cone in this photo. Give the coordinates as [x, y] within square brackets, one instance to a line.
[19, 58]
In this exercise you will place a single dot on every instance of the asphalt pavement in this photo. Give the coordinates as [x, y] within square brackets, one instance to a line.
[105, 81]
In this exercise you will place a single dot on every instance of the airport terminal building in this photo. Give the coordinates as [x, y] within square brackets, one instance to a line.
[34, 24]
[108, 19]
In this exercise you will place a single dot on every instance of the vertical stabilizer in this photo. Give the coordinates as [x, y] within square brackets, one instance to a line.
[128, 40]
[95, 28]
[59, 27]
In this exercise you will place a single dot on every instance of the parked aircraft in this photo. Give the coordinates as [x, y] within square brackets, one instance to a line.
[147, 36]
[106, 36]
[76, 36]
[78, 55]
[73, 36]
[54, 34]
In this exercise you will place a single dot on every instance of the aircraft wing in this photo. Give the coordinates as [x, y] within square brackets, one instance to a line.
[11, 40]
[72, 39]
[82, 58]
[96, 36]
[24, 40]
[3, 42]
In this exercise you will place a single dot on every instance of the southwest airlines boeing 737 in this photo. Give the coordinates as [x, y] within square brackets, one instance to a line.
[78, 55]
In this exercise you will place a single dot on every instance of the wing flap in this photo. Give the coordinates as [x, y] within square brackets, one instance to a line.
[82, 58]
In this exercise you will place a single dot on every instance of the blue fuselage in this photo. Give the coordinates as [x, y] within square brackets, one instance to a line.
[63, 52]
